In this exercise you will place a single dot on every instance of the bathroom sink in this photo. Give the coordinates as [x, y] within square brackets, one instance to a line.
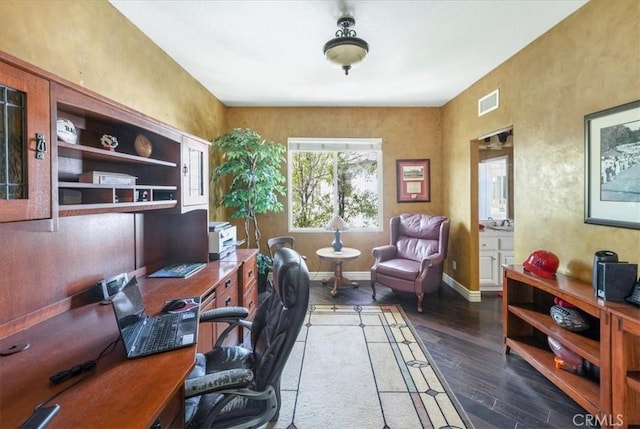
[501, 228]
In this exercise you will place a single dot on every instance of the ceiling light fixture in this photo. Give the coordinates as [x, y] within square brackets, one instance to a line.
[346, 49]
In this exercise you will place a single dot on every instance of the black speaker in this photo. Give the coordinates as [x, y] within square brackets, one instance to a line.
[601, 256]
[617, 280]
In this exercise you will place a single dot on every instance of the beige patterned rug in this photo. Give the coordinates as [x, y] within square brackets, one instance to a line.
[363, 367]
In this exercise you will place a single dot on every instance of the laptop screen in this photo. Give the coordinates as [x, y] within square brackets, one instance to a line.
[128, 307]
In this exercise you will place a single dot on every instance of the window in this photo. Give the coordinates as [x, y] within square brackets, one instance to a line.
[328, 176]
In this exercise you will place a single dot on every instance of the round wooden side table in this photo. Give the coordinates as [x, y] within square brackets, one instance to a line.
[346, 254]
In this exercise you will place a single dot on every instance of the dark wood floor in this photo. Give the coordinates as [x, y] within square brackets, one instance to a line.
[465, 340]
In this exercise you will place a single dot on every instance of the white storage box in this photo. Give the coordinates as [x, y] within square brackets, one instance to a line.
[107, 178]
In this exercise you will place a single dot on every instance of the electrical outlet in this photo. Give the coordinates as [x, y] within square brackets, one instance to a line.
[454, 265]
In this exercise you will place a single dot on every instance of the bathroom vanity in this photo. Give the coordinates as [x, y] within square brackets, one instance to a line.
[496, 249]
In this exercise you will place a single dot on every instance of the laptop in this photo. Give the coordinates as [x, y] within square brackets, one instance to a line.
[144, 335]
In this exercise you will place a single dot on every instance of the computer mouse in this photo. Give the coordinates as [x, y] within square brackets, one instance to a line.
[174, 305]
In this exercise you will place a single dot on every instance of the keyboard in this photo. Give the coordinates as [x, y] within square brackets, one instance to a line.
[162, 332]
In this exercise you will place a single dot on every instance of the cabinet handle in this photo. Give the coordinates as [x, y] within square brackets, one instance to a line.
[227, 283]
[250, 304]
[250, 273]
[227, 302]
[185, 169]
[41, 146]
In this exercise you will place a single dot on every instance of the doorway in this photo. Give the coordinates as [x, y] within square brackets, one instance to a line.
[494, 206]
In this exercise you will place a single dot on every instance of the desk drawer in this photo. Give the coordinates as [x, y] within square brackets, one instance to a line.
[227, 296]
[227, 292]
[249, 273]
[250, 298]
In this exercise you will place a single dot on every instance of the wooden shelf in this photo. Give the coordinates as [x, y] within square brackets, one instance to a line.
[527, 324]
[587, 348]
[78, 151]
[84, 209]
[581, 389]
[633, 380]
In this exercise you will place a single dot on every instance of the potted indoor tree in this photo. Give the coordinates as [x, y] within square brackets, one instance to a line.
[250, 176]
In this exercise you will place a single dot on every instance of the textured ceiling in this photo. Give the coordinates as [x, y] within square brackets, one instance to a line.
[269, 52]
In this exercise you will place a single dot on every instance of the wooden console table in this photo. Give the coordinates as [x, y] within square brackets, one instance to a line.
[346, 254]
[612, 343]
[122, 393]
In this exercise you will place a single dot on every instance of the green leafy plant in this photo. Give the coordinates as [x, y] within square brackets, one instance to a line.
[264, 264]
[250, 173]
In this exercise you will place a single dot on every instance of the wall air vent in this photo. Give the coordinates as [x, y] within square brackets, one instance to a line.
[489, 102]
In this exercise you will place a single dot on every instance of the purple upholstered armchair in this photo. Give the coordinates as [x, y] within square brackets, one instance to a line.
[414, 259]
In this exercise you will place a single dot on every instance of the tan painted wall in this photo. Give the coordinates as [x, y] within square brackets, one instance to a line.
[405, 132]
[589, 62]
[90, 43]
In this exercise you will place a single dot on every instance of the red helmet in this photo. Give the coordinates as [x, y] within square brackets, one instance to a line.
[542, 263]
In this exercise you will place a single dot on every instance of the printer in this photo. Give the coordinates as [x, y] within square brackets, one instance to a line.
[222, 240]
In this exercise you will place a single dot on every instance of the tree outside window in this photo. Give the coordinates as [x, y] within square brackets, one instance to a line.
[335, 176]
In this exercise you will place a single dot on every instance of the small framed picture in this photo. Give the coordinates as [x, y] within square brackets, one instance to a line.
[413, 180]
[612, 166]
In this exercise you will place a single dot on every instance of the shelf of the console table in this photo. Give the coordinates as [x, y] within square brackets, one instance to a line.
[583, 390]
[83, 209]
[561, 286]
[587, 348]
[86, 152]
[633, 380]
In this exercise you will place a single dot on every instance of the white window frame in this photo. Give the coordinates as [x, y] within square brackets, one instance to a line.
[305, 144]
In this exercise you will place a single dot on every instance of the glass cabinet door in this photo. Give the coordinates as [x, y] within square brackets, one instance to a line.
[195, 173]
[25, 159]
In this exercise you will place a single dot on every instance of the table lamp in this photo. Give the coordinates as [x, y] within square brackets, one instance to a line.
[336, 224]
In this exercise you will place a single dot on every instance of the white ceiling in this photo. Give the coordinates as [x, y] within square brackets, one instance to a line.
[269, 52]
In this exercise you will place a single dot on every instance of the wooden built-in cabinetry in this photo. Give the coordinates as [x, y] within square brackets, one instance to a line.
[25, 173]
[174, 176]
[611, 344]
[625, 345]
[153, 383]
[67, 233]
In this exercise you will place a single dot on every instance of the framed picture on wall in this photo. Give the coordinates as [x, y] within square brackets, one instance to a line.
[612, 166]
[413, 180]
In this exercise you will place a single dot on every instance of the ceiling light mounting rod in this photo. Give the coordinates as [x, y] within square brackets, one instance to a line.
[346, 49]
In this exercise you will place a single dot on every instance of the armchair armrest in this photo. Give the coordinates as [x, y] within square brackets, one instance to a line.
[218, 381]
[434, 259]
[384, 253]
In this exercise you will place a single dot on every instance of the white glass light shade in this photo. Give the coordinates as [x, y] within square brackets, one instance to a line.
[346, 51]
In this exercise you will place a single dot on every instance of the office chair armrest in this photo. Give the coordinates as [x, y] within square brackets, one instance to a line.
[384, 253]
[224, 314]
[217, 382]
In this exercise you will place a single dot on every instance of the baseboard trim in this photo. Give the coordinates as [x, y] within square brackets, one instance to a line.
[469, 295]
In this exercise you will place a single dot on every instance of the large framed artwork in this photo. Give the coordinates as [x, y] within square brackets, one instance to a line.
[413, 180]
[612, 166]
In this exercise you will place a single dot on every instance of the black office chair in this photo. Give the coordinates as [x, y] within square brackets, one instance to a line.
[235, 387]
[276, 243]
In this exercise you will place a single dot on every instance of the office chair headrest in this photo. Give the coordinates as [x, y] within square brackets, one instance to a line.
[289, 271]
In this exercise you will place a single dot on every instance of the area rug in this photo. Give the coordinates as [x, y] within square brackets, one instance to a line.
[363, 367]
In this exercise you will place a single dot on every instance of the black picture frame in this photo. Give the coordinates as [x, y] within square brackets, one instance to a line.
[612, 166]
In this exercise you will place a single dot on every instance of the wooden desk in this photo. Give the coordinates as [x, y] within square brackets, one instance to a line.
[122, 393]
[346, 254]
